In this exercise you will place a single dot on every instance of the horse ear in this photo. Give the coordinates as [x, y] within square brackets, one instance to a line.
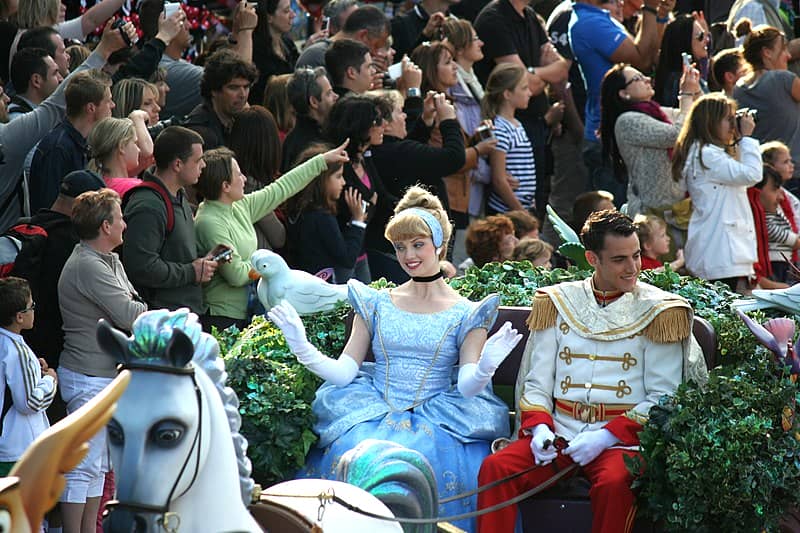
[112, 341]
[180, 349]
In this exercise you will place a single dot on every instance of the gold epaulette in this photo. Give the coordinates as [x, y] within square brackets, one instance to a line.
[671, 325]
[543, 313]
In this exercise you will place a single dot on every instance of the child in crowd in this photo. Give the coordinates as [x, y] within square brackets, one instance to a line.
[726, 68]
[783, 240]
[525, 224]
[777, 155]
[537, 252]
[31, 383]
[719, 159]
[587, 203]
[512, 164]
[654, 243]
[315, 241]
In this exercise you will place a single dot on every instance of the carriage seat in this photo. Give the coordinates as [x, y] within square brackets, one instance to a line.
[566, 504]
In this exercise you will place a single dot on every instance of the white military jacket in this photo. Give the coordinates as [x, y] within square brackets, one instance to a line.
[588, 365]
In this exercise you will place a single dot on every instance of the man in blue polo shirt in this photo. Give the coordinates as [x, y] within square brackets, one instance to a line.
[598, 42]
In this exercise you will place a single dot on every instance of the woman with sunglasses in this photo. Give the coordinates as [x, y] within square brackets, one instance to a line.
[684, 35]
[362, 119]
[773, 90]
[638, 135]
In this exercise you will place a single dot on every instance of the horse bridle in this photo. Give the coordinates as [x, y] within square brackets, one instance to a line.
[163, 510]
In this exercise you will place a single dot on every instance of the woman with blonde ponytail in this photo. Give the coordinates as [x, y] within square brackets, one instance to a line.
[428, 389]
[115, 151]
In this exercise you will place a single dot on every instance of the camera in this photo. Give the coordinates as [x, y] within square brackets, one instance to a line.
[745, 111]
[117, 25]
[161, 125]
[225, 255]
[484, 132]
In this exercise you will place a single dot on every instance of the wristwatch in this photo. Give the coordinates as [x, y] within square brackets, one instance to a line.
[532, 70]
[413, 91]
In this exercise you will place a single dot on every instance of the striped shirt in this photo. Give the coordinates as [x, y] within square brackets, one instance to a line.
[780, 235]
[520, 165]
[31, 395]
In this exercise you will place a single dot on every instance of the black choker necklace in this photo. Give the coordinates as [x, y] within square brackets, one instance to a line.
[428, 278]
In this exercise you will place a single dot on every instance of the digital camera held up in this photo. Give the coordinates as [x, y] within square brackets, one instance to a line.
[745, 111]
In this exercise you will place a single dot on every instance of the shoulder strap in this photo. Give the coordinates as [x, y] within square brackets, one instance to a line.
[161, 191]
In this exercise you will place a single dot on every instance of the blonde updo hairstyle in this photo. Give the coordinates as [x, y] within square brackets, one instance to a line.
[408, 226]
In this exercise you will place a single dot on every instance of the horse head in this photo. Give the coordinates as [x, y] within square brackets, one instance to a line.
[170, 439]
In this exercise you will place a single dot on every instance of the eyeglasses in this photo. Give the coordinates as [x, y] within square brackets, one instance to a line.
[28, 309]
[701, 36]
[635, 78]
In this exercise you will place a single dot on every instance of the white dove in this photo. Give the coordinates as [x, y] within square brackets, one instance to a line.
[308, 294]
[786, 299]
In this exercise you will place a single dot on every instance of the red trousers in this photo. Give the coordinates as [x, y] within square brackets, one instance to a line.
[613, 509]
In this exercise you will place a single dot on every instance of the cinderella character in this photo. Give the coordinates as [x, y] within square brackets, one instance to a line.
[429, 389]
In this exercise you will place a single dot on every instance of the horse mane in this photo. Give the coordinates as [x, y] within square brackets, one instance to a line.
[152, 332]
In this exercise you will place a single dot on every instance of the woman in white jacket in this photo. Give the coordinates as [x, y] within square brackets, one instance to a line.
[719, 160]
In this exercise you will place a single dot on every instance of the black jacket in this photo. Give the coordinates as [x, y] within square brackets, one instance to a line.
[46, 339]
[306, 132]
[205, 121]
[405, 162]
[316, 242]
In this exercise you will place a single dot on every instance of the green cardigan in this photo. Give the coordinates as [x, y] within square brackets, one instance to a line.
[232, 224]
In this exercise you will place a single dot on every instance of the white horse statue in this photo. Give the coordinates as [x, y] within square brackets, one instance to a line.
[178, 457]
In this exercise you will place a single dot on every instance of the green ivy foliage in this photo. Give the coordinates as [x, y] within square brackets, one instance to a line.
[718, 459]
[514, 281]
[275, 391]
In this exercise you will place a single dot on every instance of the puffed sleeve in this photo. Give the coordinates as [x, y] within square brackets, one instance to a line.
[482, 315]
[364, 300]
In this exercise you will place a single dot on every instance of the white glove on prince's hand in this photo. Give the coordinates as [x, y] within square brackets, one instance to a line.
[541, 434]
[340, 371]
[473, 377]
[588, 445]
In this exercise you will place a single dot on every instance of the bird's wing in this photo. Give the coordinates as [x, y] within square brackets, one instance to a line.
[761, 333]
[312, 293]
[59, 449]
[566, 233]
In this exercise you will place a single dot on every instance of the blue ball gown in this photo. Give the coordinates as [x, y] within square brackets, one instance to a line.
[409, 396]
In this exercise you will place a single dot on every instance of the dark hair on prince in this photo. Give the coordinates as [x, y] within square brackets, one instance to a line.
[602, 223]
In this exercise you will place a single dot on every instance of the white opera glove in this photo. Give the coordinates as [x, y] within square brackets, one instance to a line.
[541, 434]
[588, 445]
[340, 371]
[472, 377]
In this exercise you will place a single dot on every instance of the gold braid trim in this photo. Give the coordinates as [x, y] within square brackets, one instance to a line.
[671, 325]
[543, 313]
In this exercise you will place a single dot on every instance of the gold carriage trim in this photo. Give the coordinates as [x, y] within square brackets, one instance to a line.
[621, 389]
[628, 361]
[543, 313]
[526, 406]
[592, 412]
[637, 417]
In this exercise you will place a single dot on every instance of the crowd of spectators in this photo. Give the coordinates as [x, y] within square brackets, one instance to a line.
[144, 163]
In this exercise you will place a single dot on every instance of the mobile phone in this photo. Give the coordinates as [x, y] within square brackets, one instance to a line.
[170, 8]
[395, 71]
[687, 59]
[326, 24]
[364, 205]
[252, 4]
